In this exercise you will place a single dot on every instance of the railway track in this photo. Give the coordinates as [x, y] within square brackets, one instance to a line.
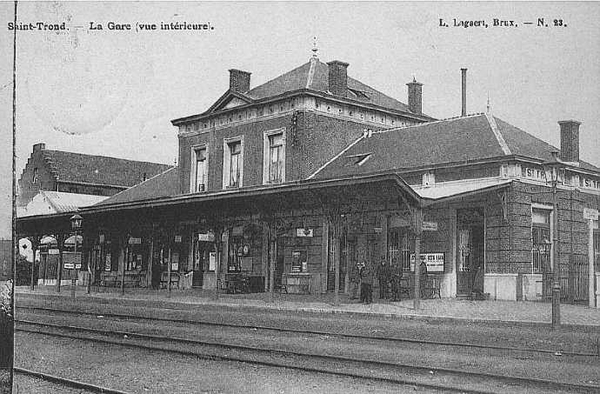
[64, 382]
[446, 379]
[391, 339]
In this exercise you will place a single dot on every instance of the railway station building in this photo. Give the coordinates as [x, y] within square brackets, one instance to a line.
[288, 184]
[55, 184]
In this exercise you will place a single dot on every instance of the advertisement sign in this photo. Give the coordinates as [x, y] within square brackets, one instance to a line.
[304, 232]
[206, 237]
[72, 260]
[434, 261]
[430, 226]
[299, 261]
[212, 261]
[135, 241]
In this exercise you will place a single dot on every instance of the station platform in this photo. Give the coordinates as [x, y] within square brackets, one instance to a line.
[448, 309]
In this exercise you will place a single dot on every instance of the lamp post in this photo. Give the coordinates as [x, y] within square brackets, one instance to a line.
[553, 167]
[76, 226]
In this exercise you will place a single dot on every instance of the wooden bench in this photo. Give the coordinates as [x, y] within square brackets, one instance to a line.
[164, 280]
[429, 286]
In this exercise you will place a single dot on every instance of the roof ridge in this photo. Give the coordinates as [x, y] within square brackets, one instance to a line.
[428, 123]
[311, 71]
[362, 136]
[499, 137]
[278, 76]
[107, 157]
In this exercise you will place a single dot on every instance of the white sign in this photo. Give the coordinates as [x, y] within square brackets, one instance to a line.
[304, 232]
[590, 214]
[212, 261]
[53, 251]
[434, 261]
[135, 241]
[208, 237]
[69, 266]
[430, 226]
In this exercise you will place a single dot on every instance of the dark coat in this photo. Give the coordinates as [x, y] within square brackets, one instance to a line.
[383, 271]
[367, 275]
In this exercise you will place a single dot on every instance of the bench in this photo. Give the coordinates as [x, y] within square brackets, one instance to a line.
[164, 280]
[429, 286]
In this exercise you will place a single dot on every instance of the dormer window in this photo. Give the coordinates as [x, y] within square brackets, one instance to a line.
[233, 162]
[428, 179]
[358, 160]
[359, 93]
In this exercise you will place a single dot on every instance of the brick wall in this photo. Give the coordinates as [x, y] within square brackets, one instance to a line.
[46, 181]
[509, 241]
[311, 140]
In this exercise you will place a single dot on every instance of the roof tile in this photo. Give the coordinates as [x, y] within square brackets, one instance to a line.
[78, 167]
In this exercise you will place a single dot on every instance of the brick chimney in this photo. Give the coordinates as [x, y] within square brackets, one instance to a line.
[239, 81]
[415, 96]
[569, 140]
[338, 78]
[39, 146]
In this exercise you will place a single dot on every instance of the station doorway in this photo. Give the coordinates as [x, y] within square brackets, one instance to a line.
[470, 251]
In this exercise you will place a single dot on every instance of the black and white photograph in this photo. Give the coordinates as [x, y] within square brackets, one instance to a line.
[299, 197]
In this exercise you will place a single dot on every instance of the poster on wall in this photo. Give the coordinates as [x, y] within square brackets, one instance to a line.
[212, 261]
[434, 261]
[299, 261]
[175, 261]
[107, 262]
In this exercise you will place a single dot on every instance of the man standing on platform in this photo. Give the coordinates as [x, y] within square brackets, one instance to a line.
[354, 280]
[383, 276]
[366, 289]
[396, 274]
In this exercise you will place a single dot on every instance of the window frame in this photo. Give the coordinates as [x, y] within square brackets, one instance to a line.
[194, 167]
[227, 162]
[267, 135]
[540, 227]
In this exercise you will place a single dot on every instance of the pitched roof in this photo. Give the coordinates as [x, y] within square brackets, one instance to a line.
[50, 202]
[459, 140]
[312, 76]
[165, 184]
[102, 170]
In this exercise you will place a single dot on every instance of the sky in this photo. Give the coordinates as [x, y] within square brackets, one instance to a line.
[113, 91]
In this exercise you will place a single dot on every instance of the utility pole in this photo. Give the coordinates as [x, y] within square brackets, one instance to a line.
[418, 228]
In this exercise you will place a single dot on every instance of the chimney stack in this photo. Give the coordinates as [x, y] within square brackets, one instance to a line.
[39, 146]
[569, 140]
[415, 96]
[239, 81]
[338, 78]
[464, 91]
